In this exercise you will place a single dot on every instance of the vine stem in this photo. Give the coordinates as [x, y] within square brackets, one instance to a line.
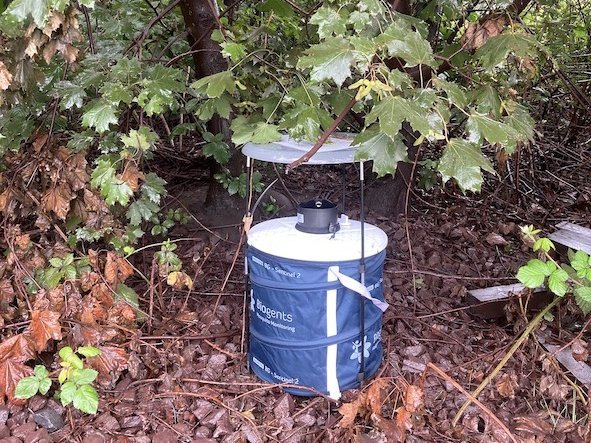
[528, 330]
[314, 149]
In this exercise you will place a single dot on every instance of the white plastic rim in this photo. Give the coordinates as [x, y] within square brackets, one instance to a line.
[280, 238]
[336, 150]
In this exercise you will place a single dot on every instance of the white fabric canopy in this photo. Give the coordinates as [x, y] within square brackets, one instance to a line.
[336, 150]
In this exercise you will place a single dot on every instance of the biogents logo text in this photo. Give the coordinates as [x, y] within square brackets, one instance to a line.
[272, 313]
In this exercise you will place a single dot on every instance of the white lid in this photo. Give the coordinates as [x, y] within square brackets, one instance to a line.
[280, 238]
[336, 150]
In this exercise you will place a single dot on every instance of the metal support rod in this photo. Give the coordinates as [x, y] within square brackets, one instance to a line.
[246, 317]
[344, 185]
[361, 375]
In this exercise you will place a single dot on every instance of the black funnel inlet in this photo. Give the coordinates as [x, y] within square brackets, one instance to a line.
[317, 217]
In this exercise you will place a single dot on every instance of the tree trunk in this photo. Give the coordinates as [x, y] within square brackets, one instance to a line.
[201, 18]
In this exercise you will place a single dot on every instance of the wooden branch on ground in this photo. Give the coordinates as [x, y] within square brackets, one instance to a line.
[490, 302]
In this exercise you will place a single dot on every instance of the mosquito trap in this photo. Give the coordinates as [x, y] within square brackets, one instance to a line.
[316, 299]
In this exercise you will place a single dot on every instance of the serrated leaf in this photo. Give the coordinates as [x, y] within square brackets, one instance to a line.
[406, 44]
[141, 139]
[389, 112]
[220, 151]
[116, 191]
[496, 49]
[67, 392]
[83, 376]
[330, 60]
[544, 244]
[103, 173]
[330, 21]
[115, 93]
[27, 387]
[127, 294]
[88, 351]
[533, 274]
[487, 101]
[56, 262]
[232, 50]
[583, 298]
[215, 85]
[86, 399]
[44, 385]
[260, 132]
[22, 9]
[455, 93]
[40, 372]
[557, 282]
[481, 126]
[463, 161]
[221, 106]
[45, 325]
[71, 95]
[305, 122]
[153, 187]
[99, 115]
[383, 150]
[141, 209]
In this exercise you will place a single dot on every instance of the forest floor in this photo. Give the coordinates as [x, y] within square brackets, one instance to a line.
[187, 379]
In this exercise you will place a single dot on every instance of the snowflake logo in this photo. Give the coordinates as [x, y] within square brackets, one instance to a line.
[356, 345]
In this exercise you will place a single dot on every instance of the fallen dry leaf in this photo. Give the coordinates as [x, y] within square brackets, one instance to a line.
[375, 395]
[506, 385]
[109, 364]
[179, 280]
[6, 291]
[478, 33]
[13, 353]
[57, 199]
[495, 239]
[132, 175]
[349, 411]
[580, 350]
[5, 77]
[413, 399]
[44, 326]
[117, 269]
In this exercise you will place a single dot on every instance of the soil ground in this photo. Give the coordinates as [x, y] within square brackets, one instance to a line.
[187, 378]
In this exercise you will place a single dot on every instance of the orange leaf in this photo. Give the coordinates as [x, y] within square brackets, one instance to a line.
[117, 269]
[110, 363]
[413, 398]
[132, 175]
[403, 419]
[374, 395]
[5, 77]
[349, 412]
[6, 291]
[11, 371]
[44, 326]
[57, 199]
[18, 348]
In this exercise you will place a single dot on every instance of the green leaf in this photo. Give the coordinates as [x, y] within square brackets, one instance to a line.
[142, 139]
[482, 126]
[219, 150]
[496, 49]
[116, 191]
[88, 351]
[27, 387]
[99, 115]
[464, 162]
[408, 45]
[305, 122]
[390, 113]
[487, 101]
[127, 71]
[71, 95]
[141, 209]
[234, 51]
[83, 376]
[330, 60]
[56, 262]
[583, 298]
[455, 94]
[215, 85]
[44, 385]
[22, 9]
[383, 150]
[221, 106]
[260, 132]
[115, 93]
[69, 356]
[557, 282]
[127, 294]
[67, 392]
[40, 372]
[533, 274]
[330, 21]
[52, 277]
[86, 399]
[544, 244]
[153, 187]
[69, 272]
[103, 173]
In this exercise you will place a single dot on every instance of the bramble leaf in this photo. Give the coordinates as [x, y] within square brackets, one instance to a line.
[67, 392]
[86, 399]
[583, 298]
[543, 244]
[88, 351]
[557, 282]
[27, 387]
[534, 273]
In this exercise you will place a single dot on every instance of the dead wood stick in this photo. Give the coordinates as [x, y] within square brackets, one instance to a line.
[528, 330]
[488, 412]
[304, 158]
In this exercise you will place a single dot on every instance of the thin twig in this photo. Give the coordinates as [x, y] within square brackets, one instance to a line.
[456, 385]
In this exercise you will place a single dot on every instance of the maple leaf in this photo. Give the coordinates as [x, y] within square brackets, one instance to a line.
[5, 77]
[13, 353]
[6, 291]
[374, 395]
[349, 411]
[57, 199]
[117, 269]
[109, 364]
[44, 325]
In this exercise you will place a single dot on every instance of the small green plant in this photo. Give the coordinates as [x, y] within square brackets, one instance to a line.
[75, 380]
[560, 278]
[167, 259]
[237, 185]
[172, 218]
[60, 269]
[271, 207]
